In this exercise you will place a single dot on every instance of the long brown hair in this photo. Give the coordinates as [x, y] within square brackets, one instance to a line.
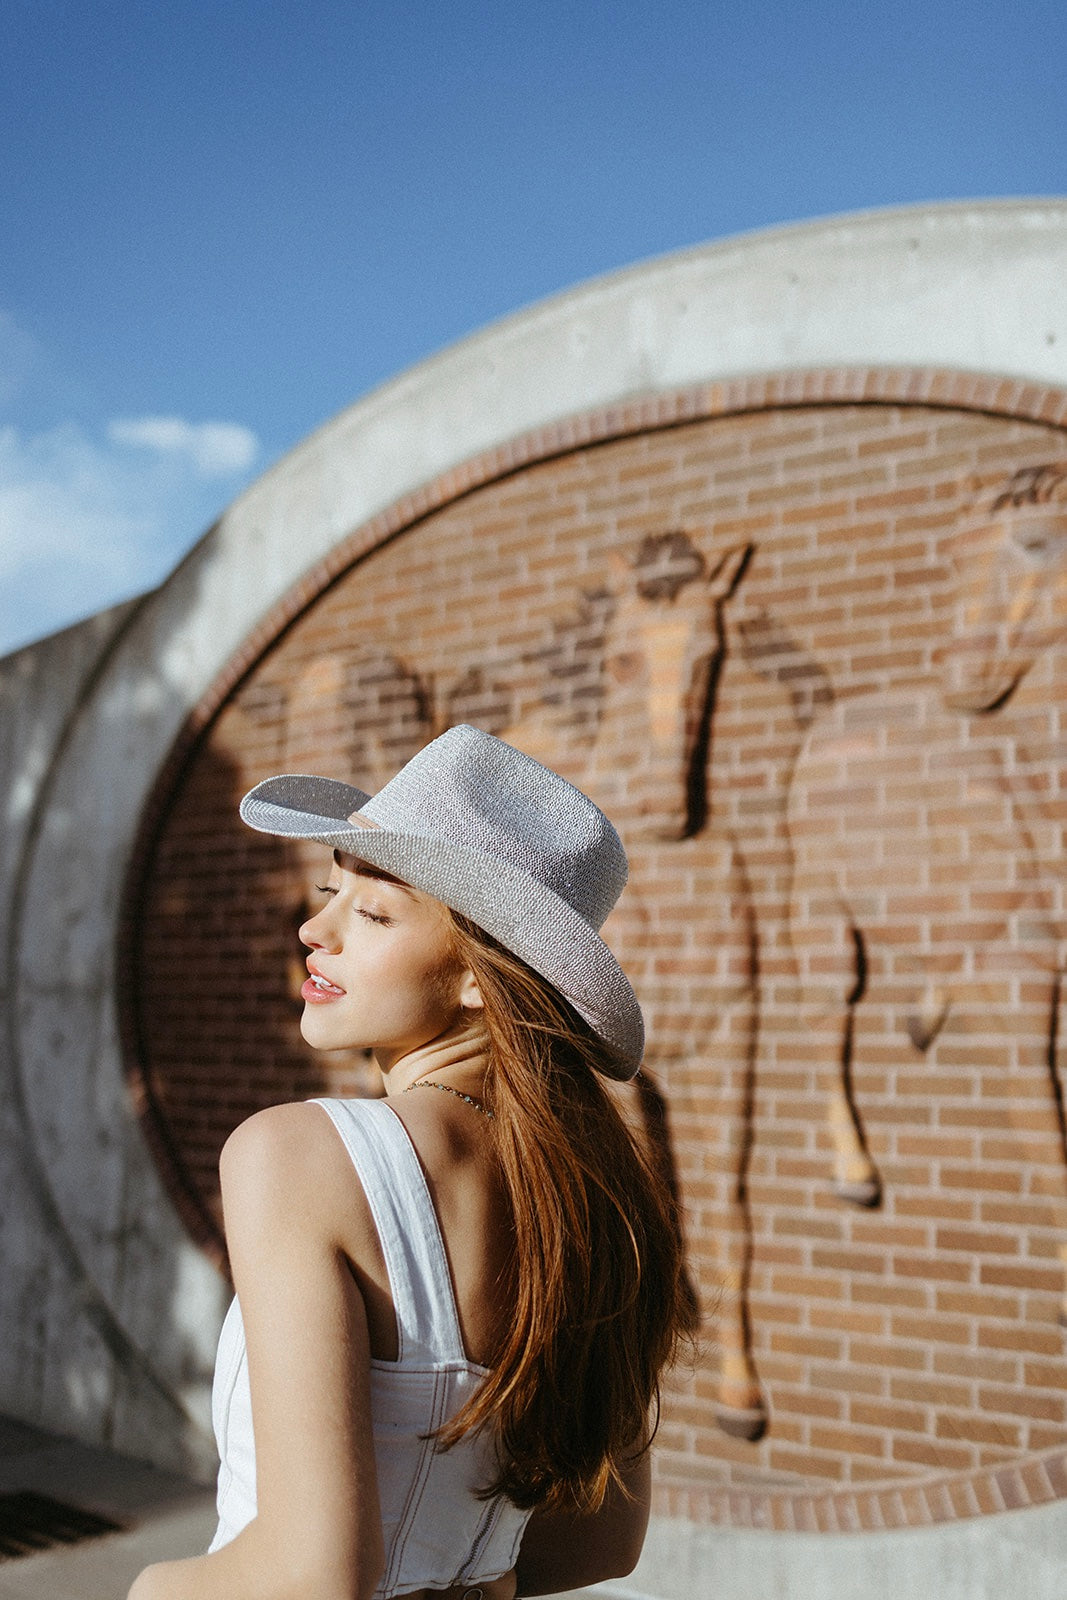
[599, 1300]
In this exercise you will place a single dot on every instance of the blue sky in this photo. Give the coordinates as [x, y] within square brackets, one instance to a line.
[222, 223]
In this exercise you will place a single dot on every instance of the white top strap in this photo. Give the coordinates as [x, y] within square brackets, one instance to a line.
[395, 1185]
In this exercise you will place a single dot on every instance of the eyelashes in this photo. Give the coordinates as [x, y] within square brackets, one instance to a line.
[362, 911]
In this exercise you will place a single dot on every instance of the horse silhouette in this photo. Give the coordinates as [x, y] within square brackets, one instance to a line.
[927, 879]
[685, 929]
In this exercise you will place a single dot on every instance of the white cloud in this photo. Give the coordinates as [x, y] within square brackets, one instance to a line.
[87, 522]
[92, 515]
[61, 498]
[215, 449]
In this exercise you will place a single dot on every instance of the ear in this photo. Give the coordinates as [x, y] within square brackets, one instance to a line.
[470, 996]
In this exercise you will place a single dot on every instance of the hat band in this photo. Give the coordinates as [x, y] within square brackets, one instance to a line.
[362, 822]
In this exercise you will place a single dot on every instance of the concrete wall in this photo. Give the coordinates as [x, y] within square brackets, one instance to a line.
[108, 1313]
[1013, 1553]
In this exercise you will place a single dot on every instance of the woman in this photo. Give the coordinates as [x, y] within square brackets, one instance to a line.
[452, 1308]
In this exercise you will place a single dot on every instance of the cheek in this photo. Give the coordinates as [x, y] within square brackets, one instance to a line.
[437, 983]
[402, 987]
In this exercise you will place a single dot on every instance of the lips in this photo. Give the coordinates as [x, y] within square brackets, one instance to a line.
[318, 990]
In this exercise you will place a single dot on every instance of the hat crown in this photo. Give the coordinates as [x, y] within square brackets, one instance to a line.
[470, 789]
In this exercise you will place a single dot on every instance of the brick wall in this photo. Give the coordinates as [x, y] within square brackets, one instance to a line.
[805, 645]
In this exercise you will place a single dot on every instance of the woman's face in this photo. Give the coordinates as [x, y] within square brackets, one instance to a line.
[384, 975]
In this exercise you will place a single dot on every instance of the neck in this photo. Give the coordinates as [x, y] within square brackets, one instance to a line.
[462, 1053]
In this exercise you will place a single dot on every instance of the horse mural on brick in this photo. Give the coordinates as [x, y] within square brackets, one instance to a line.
[685, 929]
[928, 888]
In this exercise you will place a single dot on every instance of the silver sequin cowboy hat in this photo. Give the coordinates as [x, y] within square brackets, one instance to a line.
[502, 840]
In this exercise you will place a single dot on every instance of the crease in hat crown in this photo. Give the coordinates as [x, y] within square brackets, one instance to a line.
[499, 838]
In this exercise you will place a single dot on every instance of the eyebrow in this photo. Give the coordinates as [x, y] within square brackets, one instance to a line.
[364, 869]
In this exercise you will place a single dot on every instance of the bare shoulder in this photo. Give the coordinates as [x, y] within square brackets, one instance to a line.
[286, 1167]
[273, 1143]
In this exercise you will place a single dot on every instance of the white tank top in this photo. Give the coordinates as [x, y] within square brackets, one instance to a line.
[437, 1532]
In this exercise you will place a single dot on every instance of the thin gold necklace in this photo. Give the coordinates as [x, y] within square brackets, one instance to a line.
[424, 1083]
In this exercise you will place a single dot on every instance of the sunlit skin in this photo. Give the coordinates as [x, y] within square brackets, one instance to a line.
[384, 976]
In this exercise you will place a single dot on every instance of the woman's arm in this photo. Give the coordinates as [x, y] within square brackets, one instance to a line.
[317, 1533]
[563, 1550]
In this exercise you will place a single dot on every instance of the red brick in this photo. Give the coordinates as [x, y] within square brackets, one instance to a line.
[863, 1324]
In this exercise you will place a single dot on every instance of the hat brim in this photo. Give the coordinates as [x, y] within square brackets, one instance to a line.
[528, 918]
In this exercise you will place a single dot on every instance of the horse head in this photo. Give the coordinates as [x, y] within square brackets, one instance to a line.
[1009, 558]
[663, 651]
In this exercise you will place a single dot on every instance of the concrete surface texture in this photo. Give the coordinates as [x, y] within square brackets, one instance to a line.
[163, 1517]
[108, 1313]
[989, 1558]
[88, 1234]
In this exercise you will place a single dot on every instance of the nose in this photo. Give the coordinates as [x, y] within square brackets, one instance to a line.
[319, 932]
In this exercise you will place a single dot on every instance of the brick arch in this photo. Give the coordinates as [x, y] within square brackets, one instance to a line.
[899, 418]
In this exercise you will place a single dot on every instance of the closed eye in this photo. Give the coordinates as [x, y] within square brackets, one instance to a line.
[361, 911]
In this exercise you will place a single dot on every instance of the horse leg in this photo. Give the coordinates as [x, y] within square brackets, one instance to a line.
[740, 1407]
[1060, 1115]
[855, 1177]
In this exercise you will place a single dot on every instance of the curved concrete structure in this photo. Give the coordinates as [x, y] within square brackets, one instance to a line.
[970, 287]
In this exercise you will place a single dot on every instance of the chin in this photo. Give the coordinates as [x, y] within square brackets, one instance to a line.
[320, 1034]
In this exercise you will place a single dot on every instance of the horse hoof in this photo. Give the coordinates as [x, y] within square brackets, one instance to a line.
[742, 1422]
[865, 1192]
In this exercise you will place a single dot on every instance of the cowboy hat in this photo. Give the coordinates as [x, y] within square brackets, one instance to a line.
[500, 839]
